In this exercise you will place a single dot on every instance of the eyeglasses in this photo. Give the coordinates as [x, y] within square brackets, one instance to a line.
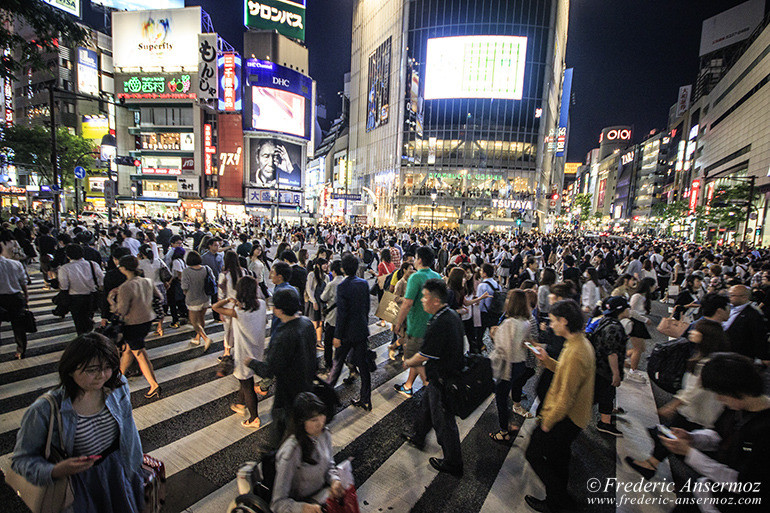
[95, 370]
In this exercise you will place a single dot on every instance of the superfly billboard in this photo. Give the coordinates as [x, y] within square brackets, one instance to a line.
[159, 38]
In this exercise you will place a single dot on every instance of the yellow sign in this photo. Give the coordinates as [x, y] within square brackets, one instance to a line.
[94, 127]
[570, 168]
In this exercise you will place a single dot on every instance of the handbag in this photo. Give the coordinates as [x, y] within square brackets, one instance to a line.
[49, 498]
[61, 302]
[497, 359]
[28, 319]
[225, 366]
[164, 274]
[210, 285]
[348, 504]
[672, 327]
[97, 295]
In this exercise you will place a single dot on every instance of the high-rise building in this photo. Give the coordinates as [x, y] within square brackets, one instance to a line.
[454, 109]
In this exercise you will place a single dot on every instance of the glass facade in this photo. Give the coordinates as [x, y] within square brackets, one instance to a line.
[485, 157]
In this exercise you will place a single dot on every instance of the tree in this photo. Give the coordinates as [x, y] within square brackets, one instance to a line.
[47, 22]
[582, 202]
[728, 206]
[32, 150]
[671, 214]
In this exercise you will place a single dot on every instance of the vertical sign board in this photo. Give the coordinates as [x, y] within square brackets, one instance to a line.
[566, 95]
[287, 17]
[378, 101]
[694, 195]
[88, 71]
[208, 149]
[229, 67]
[230, 141]
[8, 101]
[207, 67]
[683, 102]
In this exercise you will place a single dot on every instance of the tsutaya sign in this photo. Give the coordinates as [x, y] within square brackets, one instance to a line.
[285, 16]
[512, 204]
[156, 87]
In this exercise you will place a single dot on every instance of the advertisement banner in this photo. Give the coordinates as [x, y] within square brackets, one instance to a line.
[278, 99]
[230, 135]
[731, 26]
[683, 102]
[432, 150]
[259, 196]
[156, 86]
[94, 127]
[378, 107]
[69, 6]
[207, 67]
[270, 158]
[566, 96]
[139, 5]
[88, 71]
[154, 39]
[229, 68]
[287, 17]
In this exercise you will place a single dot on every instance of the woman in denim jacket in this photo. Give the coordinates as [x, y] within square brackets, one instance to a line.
[104, 453]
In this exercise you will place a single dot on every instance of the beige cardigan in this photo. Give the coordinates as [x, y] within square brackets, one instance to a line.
[134, 301]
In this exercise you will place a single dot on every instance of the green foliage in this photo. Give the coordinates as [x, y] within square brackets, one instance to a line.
[728, 206]
[47, 22]
[32, 149]
[582, 202]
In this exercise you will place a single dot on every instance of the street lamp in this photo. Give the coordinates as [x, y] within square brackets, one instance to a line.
[433, 196]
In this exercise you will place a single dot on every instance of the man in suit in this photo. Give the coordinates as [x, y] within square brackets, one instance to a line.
[164, 236]
[352, 330]
[746, 327]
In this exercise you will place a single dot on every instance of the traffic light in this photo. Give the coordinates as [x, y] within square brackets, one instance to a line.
[127, 161]
[555, 197]
[518, 222]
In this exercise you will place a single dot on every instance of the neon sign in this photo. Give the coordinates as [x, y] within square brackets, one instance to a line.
[614, 135]
[208, 149]
[229, 65]
[151, 87]
[694, 195]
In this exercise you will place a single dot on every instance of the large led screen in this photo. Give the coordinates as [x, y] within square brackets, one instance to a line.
[277, 111]
[140, 5]
[271, 158]
[378, 95]
[475, 67]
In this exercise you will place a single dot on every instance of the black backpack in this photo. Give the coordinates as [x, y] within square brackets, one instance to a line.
[210, 285]
[497, 305]
[667, 363]
[368, 256]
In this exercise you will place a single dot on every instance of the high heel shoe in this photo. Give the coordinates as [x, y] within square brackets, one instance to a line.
[153, 393]
[206, 344]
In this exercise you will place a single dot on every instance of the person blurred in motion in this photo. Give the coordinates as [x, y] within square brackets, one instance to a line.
[227, 279]
[329, 297]
[305, 473]
[13, 300]
[104, 452]
[316, 283]
[132, 303]
[247, 315]
[80, 278]
[193, 284]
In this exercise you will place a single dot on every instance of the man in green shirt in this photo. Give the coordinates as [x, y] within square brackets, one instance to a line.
[415, 317]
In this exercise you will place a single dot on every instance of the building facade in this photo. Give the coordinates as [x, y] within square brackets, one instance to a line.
[466, 149]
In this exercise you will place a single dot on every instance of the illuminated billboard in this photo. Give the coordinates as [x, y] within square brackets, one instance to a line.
[277, 99]
[287, 17]
[88, 71]
[731, 26]
[475, 67]
[378, 90]
[270, 158]
[69, 6]
[94, 127]
[229, 94]
[156, 86]
[140, 5]
[153, 39]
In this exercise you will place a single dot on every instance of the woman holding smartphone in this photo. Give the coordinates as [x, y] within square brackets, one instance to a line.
[103, 452]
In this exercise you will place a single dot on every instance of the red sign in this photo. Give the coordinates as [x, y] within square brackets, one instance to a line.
[602, 192]
[694, 195]
[160, 171]
[208, 149]
[229, 81]
[230, 139]
[188, 163]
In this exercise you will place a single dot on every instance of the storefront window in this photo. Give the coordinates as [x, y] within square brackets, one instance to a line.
[159, 189]
[168, 141]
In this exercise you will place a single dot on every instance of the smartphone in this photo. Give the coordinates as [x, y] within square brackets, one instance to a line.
[95, 457]
[663, 430]
[532, 347]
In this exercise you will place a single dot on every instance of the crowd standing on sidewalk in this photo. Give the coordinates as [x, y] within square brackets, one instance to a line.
[570, 312]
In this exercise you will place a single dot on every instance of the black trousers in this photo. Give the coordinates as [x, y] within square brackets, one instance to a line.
[358, 358]
[328, 346]
[433, 414]
[82, 312]
[604, 394]
[14, 305]
[549, 454]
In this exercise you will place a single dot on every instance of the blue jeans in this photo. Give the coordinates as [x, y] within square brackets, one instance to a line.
[503, 387]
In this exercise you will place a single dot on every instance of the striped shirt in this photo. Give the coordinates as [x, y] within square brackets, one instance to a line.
[95, 434]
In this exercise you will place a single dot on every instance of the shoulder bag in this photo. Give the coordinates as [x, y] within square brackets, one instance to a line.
[50, 498]
[97, 295]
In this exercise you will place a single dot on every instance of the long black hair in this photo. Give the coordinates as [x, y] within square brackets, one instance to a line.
[246, 293]
[306, 406]
[232, 265]
[318, 271]
[645, 289]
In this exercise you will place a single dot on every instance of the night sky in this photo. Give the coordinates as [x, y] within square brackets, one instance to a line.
[630, 57]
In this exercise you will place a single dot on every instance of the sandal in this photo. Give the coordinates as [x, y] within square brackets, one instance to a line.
[502, 437]
[258, 390]
[254, 424]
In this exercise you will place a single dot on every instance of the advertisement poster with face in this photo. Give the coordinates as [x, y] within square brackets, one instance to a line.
[272, 158]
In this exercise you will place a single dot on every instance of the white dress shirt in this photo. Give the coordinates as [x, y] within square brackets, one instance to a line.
[78, 279]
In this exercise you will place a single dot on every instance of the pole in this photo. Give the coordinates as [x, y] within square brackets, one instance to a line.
[77, 199]
[752, 179]
[54, 156]
[112, 188]
[432, 215]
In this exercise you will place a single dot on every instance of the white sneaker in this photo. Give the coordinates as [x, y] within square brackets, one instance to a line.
[519, 410]
[636, 376]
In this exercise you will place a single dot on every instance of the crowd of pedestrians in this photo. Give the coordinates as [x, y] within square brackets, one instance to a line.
[572, 316]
